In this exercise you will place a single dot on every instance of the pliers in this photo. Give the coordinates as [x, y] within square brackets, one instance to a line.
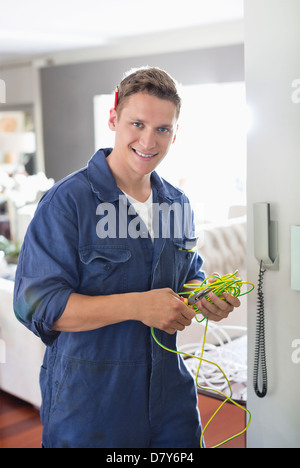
[196, 297]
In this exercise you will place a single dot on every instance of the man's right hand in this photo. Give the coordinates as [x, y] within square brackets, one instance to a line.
[163, 309]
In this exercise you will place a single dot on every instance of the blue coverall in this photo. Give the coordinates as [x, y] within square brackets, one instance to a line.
[112, 387]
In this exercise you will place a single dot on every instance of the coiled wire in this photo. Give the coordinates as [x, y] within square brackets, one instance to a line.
[260, 378]
[218, 285]
[231, 284]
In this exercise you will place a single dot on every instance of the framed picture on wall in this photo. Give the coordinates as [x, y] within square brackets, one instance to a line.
[12, 121]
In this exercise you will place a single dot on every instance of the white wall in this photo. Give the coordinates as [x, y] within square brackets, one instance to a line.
[272, 64]
[19, 84]
[183, 39]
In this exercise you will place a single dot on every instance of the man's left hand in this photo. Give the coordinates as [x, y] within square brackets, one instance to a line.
[217, 309]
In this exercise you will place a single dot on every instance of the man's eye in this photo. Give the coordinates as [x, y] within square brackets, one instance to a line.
[163, 130]
[137, 124]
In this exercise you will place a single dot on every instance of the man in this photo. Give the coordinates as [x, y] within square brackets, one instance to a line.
[94, 276]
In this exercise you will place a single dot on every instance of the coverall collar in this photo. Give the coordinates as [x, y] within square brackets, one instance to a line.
[104, 185]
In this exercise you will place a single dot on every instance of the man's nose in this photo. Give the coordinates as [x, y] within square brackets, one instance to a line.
[147, 139]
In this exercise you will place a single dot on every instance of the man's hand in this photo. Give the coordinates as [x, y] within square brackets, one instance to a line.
[163, 309]
[218, 309]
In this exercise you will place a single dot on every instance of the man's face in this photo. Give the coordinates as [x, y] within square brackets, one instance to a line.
[145, 130]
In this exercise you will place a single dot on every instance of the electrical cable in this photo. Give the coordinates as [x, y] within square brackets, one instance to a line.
[226, 351]
[227, 283]
[260, 365]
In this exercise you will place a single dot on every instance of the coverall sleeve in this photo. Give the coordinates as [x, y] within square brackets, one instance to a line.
[47, 271]
[196, 272]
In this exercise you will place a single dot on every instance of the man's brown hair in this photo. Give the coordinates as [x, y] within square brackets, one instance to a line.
[151, 80]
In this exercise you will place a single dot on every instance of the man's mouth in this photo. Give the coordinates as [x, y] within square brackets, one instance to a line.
[144, 155]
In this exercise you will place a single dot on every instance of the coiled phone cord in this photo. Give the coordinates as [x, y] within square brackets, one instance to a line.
[260, 365]
[228, 283]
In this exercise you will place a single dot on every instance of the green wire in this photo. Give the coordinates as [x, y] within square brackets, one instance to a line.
[231, 284]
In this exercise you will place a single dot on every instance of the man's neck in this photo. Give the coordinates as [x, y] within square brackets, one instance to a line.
[138, 187]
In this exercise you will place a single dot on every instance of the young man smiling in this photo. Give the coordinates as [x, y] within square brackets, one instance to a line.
[92, 300]
[145, 129]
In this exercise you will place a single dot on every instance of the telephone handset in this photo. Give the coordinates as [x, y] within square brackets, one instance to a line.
[266, 252]
[265, 237]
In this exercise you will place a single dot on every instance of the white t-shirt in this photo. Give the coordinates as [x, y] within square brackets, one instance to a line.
[144, 210]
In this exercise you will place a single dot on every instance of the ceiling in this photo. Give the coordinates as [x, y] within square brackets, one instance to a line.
[33, 28]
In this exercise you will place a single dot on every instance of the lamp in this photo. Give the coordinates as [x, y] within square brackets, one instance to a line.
[15, 144]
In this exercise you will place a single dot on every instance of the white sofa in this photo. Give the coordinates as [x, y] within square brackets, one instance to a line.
[23, 352]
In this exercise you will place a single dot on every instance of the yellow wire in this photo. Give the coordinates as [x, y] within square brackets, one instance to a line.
[227, 283]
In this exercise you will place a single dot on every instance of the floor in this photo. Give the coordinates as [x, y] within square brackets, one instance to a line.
[20, 425]
[229, 421]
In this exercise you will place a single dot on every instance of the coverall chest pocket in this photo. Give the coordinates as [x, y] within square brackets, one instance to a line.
[104, 269]
[184, 252]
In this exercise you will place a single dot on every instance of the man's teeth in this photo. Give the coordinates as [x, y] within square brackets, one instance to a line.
[143, 155]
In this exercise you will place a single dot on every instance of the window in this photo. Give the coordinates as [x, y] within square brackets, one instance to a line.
[208, 159]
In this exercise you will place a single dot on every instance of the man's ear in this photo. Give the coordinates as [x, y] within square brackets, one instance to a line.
[112, 119]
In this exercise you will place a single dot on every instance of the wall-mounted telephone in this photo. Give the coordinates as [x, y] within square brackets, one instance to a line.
[265, 237]
[266, 252]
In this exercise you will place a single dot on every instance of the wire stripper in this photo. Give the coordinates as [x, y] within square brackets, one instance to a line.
[195, 297]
